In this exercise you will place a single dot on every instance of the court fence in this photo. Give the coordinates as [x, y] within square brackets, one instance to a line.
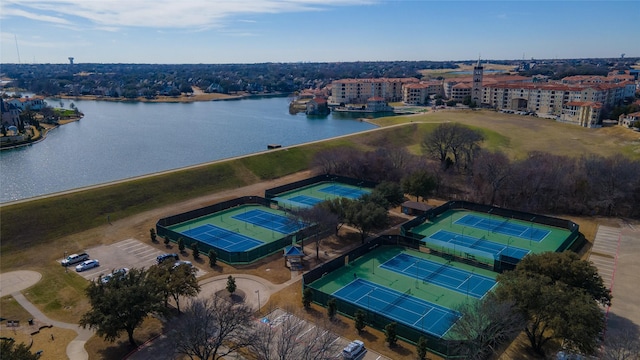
[442, 347]
[229, 257]
[502, 262]
[269, 194]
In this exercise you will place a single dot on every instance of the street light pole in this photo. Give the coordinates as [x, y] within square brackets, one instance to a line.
[66, 268]
[258, 292]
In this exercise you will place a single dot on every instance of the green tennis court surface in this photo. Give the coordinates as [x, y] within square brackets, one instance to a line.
[311, 195]
[448, 276]
[503, 227]
[403, 307]
[238, 229]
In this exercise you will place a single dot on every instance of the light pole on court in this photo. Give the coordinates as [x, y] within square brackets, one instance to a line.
[258, 292]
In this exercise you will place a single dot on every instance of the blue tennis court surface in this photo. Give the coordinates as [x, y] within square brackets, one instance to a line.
[222, 238]
[503, 227]
[306, 200]
[440, 274]
[409, 310]
[481, 244]
[265, 219]
[343, 191]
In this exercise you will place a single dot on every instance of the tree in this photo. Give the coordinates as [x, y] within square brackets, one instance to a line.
[621, 344]
[120, 305]
[152, 234]
[391, 337]
[491, 172]
[11, 351]
[181, 245]
[167, 241]
[419, 184]
[451, 138]
[174, 281]
[359, 320]
[294, 339]
[559, 295]
[365, 216]
[484, 325]
[421, 348]
[392, 192]
[332, 308]
[307, 298]
[318, 218]
[212, 328]
[213, 257]
[195, 250]
[231, 285]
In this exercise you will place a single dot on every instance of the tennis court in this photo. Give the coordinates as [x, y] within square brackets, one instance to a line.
[222, 238]
[404, 307]
[479, 243]
[271, 221]
[343, 191]
[310, 195]
[505, 227]
[444, 275]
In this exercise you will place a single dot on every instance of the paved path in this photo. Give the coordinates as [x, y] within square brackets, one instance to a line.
[15, 281]
[161, 348]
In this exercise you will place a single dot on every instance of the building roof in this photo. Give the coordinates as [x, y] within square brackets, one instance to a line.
[293, 251]
[416, 205]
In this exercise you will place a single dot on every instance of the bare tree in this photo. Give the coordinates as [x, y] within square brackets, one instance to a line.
[294, 338]
[319, 219]
[212, 328]
[490, 174]
[622, 344]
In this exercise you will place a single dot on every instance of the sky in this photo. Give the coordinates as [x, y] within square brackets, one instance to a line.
[285, 31]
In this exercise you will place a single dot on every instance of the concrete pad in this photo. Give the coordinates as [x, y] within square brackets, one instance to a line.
[19, 280]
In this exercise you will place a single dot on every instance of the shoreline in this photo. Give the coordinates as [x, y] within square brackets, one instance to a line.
[43, 133]
[208, 163]
[196, 97]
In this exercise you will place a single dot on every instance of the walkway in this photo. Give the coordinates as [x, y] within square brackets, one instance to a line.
[256, 289]
[16, 281]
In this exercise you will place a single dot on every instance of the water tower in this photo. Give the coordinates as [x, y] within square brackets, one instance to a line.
[70, 60]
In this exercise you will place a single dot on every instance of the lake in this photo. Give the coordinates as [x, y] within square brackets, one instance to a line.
[119, 140]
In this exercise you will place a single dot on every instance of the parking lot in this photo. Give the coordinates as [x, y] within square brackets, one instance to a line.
[130, 253]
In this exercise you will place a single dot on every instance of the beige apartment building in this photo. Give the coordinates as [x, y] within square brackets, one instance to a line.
[358, 91]
[419, 93]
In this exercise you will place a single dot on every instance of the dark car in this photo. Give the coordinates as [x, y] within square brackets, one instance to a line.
[163, 257]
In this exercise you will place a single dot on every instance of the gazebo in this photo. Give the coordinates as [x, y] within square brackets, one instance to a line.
[293, 257]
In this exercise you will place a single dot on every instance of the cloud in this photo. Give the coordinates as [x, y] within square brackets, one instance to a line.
[40, 43]
[158, 13]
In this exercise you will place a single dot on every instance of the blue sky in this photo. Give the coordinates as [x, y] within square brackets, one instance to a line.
[255, 31]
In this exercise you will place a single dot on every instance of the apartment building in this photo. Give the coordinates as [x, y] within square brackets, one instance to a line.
[418, 94]
[358, 91]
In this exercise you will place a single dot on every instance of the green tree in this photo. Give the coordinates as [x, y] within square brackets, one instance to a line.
[419, 184]
[11, 351]
[365, 216]
[359, 320]
[152, 234]
[167, 241]
[231, 285]
[213, 258]
[559, 294]
[421, 348]
[392, 192]
[391, 337]
[195, 250]
[307, 298]
[332, 308]
[181, 245]
[174, 281]
[120, 305]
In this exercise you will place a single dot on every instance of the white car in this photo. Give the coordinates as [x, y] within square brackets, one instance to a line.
[354, 350]
[74, 258]
[182, 262]
[86, 265]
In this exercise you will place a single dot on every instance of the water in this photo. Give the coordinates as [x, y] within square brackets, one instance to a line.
[118, 140]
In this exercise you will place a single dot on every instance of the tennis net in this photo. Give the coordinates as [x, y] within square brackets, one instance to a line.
[500, 225]
[433, 274]
[395, 302]
[477, 242]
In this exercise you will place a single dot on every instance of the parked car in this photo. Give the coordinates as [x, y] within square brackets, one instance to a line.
[88, 264]
[164, 257]
[74, 259]
[182, 262]
[118, 272]
[354, 350]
